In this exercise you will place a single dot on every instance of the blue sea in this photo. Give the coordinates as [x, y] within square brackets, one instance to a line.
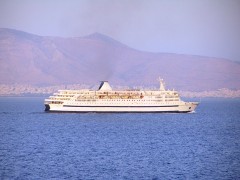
[39, 145]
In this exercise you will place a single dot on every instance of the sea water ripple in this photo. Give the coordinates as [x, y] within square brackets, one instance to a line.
[39, 145]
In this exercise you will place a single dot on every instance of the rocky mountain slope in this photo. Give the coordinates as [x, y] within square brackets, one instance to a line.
[30, 59]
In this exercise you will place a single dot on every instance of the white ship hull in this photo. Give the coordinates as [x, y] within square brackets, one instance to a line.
[107, 100]
[182, 108]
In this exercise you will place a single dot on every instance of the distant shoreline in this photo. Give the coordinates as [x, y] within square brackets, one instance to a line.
[25, 90]
[30, 91]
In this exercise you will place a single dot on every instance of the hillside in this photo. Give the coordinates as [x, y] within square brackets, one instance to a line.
[30, 59]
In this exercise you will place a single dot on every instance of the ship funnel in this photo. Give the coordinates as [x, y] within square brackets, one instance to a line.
[104, 86]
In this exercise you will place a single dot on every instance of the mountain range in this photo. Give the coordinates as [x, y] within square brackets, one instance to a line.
[40, 60]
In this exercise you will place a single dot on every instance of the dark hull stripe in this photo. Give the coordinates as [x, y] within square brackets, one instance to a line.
[54, 111]
[121, 106]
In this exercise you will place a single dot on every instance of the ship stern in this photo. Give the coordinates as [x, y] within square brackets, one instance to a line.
[47, 107]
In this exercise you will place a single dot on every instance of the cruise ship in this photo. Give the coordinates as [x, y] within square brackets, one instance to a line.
[105, 99]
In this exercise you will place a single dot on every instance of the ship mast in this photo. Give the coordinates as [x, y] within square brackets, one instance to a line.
[162, 84]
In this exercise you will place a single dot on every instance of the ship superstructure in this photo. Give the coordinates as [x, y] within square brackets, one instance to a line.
[107, 100]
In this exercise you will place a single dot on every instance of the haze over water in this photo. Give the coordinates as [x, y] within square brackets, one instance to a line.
[206, 28]
[39, 145]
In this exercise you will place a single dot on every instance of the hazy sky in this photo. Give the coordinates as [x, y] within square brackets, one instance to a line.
[199, 27]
